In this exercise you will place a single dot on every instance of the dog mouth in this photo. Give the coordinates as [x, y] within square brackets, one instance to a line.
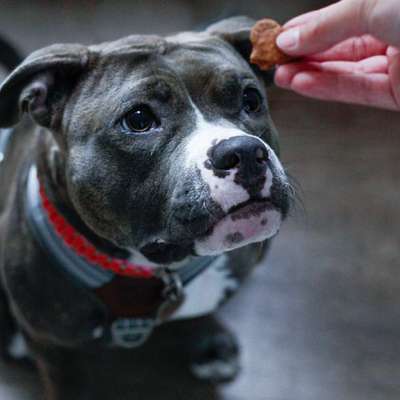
[249, 208]
[252, 221]
[240, 224]
[252, 208]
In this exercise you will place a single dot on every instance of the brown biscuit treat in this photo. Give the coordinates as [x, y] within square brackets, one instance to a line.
[266, 54]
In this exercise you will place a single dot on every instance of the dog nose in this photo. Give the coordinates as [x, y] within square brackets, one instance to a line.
[246, 153]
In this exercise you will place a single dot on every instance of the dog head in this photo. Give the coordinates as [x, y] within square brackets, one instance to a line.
[166, 145]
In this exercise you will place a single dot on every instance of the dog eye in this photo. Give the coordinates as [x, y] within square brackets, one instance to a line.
[139, 119]
[252, 100]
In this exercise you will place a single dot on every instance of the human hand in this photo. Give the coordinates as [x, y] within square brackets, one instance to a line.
[350, 53]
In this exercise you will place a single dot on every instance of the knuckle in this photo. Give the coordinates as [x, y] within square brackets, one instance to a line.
[359, 48]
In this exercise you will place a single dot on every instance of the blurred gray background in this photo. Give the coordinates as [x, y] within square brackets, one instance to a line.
[320, 318]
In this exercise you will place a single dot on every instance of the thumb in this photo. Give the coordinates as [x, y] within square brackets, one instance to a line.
[319, 30]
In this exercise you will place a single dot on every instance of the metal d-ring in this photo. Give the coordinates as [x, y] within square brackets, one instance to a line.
[173, 290]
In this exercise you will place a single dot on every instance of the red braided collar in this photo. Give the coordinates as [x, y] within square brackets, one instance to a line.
[81, 246]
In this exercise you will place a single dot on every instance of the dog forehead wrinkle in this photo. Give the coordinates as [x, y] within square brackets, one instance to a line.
[196, 58]
[136, 44]
[190, 43]
[188, 38]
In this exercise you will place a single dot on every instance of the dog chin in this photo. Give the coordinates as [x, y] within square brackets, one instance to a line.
[238, 229]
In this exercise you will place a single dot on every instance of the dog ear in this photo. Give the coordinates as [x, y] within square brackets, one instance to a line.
[236, 31]
[41, 83]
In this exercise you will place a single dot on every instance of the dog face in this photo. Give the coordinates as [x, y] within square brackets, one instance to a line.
[166, 144]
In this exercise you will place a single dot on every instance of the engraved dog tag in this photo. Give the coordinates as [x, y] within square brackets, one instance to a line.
[131, 332]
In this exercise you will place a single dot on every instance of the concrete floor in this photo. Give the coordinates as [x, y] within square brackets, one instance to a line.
[320, 319]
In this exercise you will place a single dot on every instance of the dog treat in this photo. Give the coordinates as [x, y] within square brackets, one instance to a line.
[266, 54]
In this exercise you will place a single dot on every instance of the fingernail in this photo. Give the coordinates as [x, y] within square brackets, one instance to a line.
[288, 40]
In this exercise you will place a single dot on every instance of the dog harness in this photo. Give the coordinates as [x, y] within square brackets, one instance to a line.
[137, 298]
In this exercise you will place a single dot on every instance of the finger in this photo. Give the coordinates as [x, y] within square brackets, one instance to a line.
[392, 51]
[372, 90]
[353, 49]
[323, 29]
[284, 74]
[394, 75]
[301, 19]
[371, 65]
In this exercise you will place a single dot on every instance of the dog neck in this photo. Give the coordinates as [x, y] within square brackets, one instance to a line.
[50, 167]
[50, 170]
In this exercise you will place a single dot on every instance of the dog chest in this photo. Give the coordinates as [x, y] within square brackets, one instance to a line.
[204, 294]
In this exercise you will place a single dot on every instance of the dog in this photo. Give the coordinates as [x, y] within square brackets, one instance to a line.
[139, 189]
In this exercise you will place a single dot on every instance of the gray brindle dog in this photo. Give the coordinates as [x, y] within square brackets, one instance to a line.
[144, 192]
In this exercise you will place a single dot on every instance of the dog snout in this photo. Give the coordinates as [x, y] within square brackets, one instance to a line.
[247, 157]
[192, 211]
[246, 154]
